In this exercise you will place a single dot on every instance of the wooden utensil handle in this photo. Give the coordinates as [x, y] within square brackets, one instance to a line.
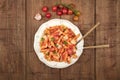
[98, 46]
[89, 31]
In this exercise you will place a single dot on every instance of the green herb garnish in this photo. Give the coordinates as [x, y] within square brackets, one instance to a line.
[56, 45]
[52, 39]
[42, 39]
[65, 43]
[75, 47]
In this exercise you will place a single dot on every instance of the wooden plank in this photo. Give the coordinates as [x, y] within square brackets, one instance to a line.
[35, 68]
[4, 76]
[12, 38]
[43, 76]
[106, 12]
[16, 76]
[107, 59]
[11, 76]
[83, 69]
[113, 50]
[108, 36]
[108, 68]
[11, 60]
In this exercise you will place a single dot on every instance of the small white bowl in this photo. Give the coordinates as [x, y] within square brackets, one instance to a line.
[39, 33]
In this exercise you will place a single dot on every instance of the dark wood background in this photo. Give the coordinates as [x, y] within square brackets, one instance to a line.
[18, 60]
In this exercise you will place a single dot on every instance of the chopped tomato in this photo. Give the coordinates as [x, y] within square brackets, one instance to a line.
[52, 49]
[55, 57]
[70, 52]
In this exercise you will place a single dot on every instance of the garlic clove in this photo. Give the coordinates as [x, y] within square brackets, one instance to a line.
[38, 17]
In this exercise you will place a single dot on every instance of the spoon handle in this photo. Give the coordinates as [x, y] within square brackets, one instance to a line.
[98, 46]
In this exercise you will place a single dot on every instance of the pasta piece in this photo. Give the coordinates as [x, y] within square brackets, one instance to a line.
[73, 41]
[47, 57]
[68, 59]
[74, 56]
[77, 36]
[55, 58]
[65, 37]
[65, 56]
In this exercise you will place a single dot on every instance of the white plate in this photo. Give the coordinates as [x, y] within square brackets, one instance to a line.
[39, 33]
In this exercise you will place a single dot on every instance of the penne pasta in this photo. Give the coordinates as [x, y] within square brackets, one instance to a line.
[58, 44]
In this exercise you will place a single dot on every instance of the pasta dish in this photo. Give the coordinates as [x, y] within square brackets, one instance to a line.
[58, 43]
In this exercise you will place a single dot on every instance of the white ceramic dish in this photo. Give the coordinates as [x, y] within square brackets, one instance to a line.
[39, 34]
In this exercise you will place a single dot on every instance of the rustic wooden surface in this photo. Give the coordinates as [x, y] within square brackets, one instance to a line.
[18, 60]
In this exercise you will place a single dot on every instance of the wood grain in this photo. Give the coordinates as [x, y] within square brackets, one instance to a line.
[12, 39]
[107, 60]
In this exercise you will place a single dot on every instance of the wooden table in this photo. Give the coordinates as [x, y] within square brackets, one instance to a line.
[18, 60]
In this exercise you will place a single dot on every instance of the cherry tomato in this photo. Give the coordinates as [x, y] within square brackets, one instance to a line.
[70, 12]
[48, 15]
[45, 9]
[59, 13]
[70, 52]
[65, 11]
[75, 18]
[52, 49]
[54, 8]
